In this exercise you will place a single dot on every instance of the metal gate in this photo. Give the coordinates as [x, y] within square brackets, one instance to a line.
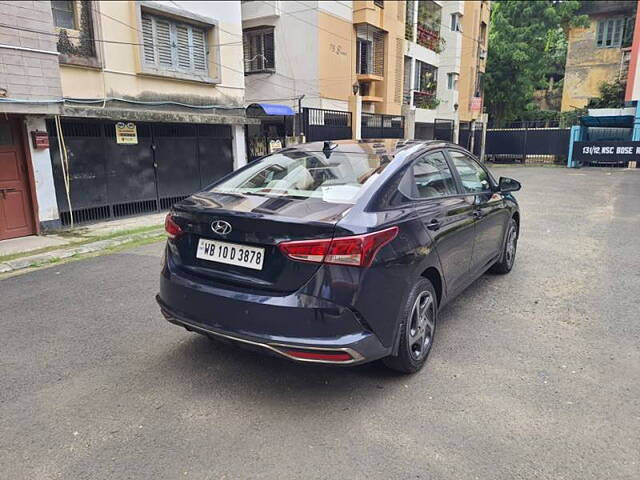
[108, 180]
[519, 143]
[375, 125]
[443, 129]
[464, 137]
[320, 124]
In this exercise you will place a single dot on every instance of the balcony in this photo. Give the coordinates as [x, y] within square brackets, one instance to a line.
[429, 38]
[426, 100]
[372, 99]
[369, 77]
[369, 53]
[252, 10]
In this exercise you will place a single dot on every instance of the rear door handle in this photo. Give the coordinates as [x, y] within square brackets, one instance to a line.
[434, 224]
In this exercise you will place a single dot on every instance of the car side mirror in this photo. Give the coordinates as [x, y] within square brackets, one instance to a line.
[506, 184]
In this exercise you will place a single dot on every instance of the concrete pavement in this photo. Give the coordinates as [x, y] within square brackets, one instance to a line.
[533, 375]
[34, 251]
[24, 245]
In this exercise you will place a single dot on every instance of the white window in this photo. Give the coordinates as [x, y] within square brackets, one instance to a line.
[259, 52]
[609, 33]
[452, 81]
[63, 14]
[426, 77]
[364, 57]
[172, 45]
[456, 22]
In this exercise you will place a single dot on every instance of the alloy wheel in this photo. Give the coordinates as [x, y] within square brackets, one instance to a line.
[421, 325]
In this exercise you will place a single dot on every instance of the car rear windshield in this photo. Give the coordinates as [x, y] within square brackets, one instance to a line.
[341, 178]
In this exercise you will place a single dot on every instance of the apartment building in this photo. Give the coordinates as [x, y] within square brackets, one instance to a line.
[341, 56]
[411, 60]
[600, 52]
[475, 44]
[149, 97]
[432, 62]
[320, 49]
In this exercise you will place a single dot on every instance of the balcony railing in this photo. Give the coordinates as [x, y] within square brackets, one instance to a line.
[429, 38]
[425, 100]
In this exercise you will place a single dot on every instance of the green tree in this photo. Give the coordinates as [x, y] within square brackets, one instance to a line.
[527, 45]
[611, 95]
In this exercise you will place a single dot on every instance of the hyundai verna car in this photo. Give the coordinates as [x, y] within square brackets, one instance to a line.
[337, 253]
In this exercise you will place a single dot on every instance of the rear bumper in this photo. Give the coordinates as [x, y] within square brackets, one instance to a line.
[294, 323]
[278, 348]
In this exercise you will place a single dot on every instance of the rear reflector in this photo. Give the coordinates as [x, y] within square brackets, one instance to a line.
[325, 356]
[358, 250]
[171, 227]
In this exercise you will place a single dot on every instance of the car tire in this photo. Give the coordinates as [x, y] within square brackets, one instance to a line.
[508, 256]
[412, 352]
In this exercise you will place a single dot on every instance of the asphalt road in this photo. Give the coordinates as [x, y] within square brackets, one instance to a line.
[533, 375]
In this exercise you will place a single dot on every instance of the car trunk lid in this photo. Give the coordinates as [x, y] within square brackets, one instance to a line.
[257, 221]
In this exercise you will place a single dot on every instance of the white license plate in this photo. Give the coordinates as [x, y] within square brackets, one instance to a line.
[230, 253]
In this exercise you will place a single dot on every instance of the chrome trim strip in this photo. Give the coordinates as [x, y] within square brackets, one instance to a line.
[356, 357]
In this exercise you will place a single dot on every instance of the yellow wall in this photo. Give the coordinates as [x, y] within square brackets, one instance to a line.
[587, 67]
[121, 75]
[475, 12]
[336, 69]
[390, 19]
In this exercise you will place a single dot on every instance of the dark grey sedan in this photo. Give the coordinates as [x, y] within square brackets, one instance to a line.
[338, 253]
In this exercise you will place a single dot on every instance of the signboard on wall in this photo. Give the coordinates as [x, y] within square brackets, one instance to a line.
[40, 139]
[476, 104]
[126, 133]
[606, 152]
[275, 145]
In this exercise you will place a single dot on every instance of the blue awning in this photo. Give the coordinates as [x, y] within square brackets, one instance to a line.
[261, 109]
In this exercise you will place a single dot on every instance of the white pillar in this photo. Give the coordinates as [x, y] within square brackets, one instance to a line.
[355, 107]
[43, 175]
[485, 121]
[456, 129]
[239, 147]
[415, 21]
[409, 114]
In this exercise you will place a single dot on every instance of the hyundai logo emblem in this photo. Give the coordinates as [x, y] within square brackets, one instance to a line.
[221, 227]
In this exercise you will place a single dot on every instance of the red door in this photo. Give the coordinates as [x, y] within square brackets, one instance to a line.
[16, 211]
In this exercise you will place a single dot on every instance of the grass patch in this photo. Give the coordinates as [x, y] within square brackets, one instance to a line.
[82, 239]
[132, 231]
[14, 256]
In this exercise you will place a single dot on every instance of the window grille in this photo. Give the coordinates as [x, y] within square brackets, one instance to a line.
[259, 52]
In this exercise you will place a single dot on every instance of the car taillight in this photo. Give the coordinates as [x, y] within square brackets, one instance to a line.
[172, 228]
[358, 250]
